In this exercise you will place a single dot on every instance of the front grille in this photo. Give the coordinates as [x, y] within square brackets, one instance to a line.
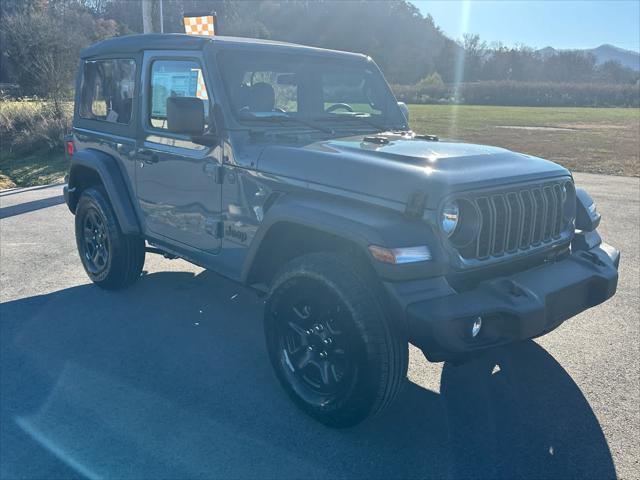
[516, 220]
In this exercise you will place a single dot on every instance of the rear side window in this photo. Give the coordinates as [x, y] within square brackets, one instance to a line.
[107, 90]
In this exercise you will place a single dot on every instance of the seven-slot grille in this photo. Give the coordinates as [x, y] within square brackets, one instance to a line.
[518, 219]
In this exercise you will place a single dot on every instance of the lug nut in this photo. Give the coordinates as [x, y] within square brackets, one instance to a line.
[323, 354]
[319, 328]
[310, 348]
[327, 341]
[308, 332]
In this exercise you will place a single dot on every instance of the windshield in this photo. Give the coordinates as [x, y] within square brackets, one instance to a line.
[336, 92]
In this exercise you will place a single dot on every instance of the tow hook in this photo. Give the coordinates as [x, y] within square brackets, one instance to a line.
[593, 258]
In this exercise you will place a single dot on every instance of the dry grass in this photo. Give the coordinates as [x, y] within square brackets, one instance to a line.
[27, 126]
[596, 140]
[6, 182]
[31, 142]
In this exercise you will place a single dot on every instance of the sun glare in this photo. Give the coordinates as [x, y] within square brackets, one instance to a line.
[459, 68]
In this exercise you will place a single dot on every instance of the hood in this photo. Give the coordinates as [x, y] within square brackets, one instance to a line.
[404, 165]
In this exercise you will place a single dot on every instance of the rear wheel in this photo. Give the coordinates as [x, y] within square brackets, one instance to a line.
[111, 259]
[334, 351]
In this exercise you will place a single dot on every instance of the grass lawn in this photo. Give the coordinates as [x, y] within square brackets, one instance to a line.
[597, 140]
[38, 168]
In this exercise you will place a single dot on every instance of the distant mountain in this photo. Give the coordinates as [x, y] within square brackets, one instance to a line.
[604, 53]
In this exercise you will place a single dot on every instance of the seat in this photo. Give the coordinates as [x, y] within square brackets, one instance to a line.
[261, 97]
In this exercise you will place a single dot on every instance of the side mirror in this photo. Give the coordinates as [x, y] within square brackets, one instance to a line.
[185, 115]
[213, 136]
[405, 110]
[587, 216]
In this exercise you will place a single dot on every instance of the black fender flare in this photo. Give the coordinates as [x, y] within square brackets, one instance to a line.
[360, 224]
[113, 181]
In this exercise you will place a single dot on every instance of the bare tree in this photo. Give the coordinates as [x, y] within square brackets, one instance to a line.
[43, 52]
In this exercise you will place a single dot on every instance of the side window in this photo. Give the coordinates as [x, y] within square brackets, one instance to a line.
[175, 78]
[107, 90]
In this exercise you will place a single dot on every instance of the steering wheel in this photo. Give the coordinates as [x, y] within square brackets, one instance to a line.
[339, 106]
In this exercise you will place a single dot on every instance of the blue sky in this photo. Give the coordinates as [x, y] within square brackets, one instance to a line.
[560, 24]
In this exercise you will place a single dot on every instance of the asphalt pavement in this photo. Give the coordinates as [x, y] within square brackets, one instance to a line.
[170, 379]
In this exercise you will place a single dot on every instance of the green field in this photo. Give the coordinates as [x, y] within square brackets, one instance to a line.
[597, 140]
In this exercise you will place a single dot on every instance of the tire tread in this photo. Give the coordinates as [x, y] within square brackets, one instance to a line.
[127, 251]
[386, 341]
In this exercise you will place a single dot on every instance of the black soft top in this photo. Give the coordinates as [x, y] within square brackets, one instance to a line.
[180, 41]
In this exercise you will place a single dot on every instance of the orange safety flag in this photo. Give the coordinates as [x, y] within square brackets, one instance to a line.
[200, 25]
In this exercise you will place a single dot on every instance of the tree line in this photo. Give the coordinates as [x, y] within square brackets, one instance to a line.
[41, 40]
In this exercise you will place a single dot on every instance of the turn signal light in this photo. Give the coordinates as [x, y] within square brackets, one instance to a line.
[398, 256]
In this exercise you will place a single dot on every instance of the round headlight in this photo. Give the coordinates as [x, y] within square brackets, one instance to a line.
[450, 217]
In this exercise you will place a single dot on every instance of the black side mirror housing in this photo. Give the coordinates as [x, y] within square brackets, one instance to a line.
[185, 115]
[587, 217]
[216, 126]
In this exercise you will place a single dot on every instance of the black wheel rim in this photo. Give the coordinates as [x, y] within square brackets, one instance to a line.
[96, 242]
[318, 349]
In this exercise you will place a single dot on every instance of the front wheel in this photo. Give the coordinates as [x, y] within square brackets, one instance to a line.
[333, 350]
[111, 259]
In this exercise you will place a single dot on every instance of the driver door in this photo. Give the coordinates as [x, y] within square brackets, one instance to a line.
[176, 183]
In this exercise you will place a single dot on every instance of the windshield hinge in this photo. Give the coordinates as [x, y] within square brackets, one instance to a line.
[376, 140]
[429, 138]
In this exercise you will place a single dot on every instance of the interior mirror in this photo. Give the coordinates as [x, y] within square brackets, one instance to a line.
[185, 115]
[404, 109]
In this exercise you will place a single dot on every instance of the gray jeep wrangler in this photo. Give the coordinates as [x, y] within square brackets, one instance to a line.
[293, 170]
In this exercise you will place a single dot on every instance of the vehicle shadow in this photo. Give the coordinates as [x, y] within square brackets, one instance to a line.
[171, 379]
[19, 209]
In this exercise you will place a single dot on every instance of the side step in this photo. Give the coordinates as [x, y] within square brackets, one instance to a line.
[160, 252]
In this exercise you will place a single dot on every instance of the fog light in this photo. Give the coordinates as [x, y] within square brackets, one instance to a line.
[475, 328]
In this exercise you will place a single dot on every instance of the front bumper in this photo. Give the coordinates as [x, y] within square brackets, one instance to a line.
[516, 307]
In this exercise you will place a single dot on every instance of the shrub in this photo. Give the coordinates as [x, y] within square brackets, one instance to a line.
[433, 80]
[29, 126]
[534, 94]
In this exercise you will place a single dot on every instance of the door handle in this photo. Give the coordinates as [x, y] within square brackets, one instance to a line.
[148, 156]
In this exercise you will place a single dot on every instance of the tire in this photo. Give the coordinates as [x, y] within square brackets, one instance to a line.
[111, 259]
[320, 312]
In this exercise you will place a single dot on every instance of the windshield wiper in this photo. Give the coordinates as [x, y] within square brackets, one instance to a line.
[284, 118]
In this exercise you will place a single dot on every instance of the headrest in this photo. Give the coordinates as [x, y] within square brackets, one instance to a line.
[261, 97]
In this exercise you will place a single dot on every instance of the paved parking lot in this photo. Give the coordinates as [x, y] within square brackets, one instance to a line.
[171, 379]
